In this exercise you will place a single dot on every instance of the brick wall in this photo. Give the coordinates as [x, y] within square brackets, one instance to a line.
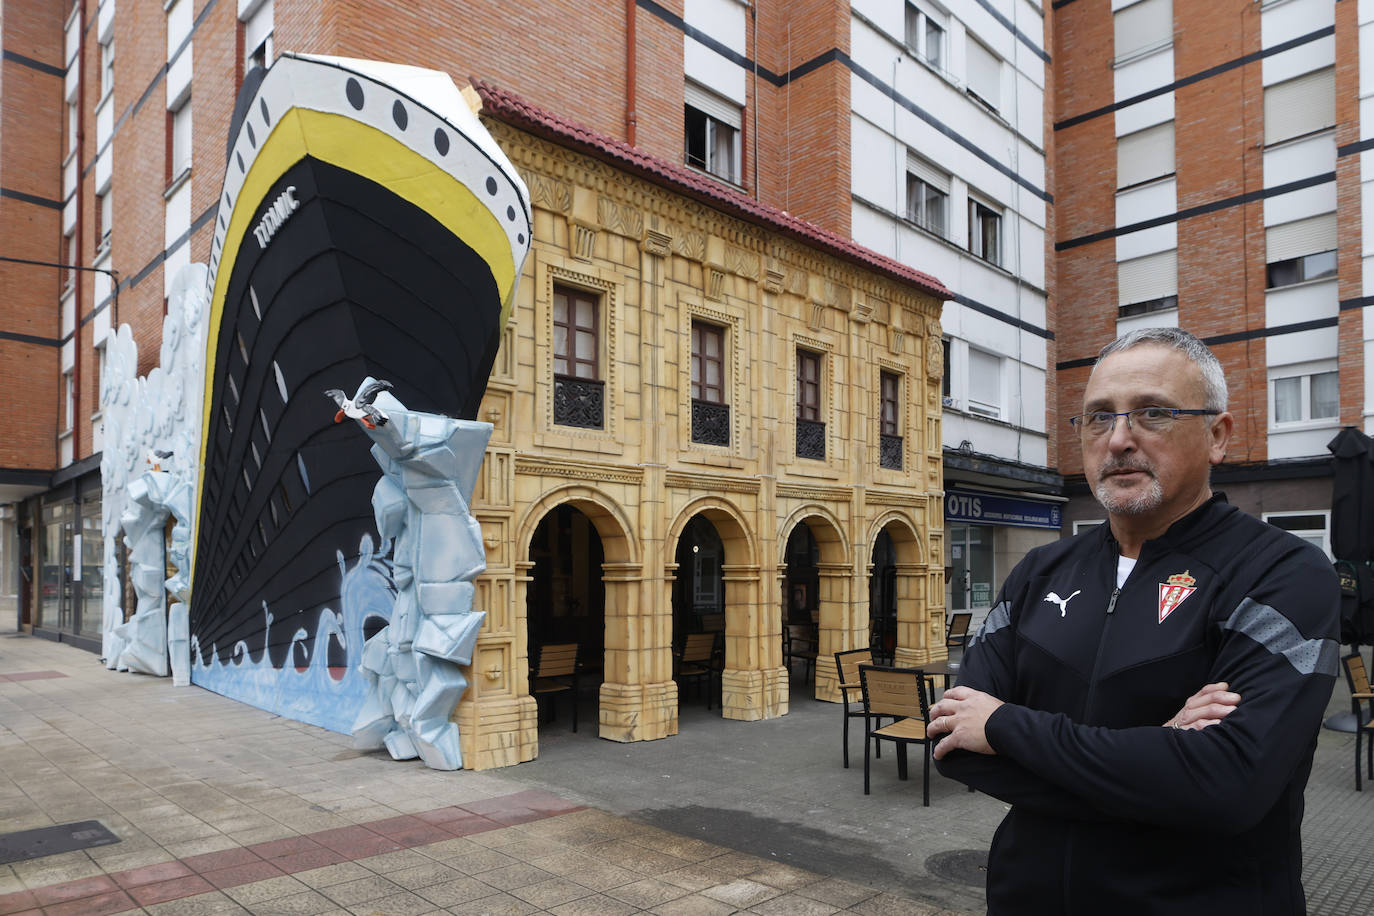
[31, 118]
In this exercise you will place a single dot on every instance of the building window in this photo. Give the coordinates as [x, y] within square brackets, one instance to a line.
[1145, 155]
[1147, 284]
[984, 78]
[1300, 106]
[106, 67]
[1299, 270]
[179, 141]
[257, 37]
[927, 195]
[890, 438]
[925, 36]
[1313, 527]
[984, 383]
[1143, 27]
[710, 413]
[1303, 398]
[984, 231]
[712, 132]
[68, 401]
[810, 429]
[579, 394]
[104, 218]
[946, 395]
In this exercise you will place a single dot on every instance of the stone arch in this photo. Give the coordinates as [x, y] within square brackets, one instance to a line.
[920, 633]
[752, 685]
[835, 589]
[607, 516]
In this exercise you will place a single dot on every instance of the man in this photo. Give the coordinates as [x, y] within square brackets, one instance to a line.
[1131, 792]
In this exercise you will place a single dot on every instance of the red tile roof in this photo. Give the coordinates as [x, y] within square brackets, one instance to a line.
[515, 111]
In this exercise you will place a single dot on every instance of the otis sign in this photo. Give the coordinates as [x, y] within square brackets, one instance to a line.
[978, 508]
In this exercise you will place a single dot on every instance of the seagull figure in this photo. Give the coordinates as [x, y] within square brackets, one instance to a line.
[360, 407]
[1062, 602]
[158, 455]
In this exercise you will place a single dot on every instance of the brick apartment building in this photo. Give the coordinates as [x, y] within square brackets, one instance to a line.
[1210, 157]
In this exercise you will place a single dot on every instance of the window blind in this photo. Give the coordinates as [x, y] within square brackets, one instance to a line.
[1143, 279]
[1145, 154]
[927, 172]
[1143, 25]
[1300, 106]
[984, 73]
[715, 106]
[1300, 237]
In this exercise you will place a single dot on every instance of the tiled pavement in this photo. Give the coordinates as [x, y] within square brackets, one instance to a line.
[222, 808]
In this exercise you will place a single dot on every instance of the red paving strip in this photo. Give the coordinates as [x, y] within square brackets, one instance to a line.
[182, 878]
[30, 675]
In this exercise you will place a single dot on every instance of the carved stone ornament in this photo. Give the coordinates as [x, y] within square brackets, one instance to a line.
[658, 244]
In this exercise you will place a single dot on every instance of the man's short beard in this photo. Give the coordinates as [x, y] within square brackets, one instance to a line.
[1148, 501]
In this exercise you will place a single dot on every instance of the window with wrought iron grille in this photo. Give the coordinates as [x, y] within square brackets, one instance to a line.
[890, 437]
[710, 413]
[810, 428]
[579, 393]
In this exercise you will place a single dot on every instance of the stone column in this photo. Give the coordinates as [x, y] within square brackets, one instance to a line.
[837, 610]
[638, 696]
[754, 683]
[919, 638]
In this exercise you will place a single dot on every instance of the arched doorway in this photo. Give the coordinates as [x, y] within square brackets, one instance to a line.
[565, 601]
[882, 598]
[817, 583]
[698, 609]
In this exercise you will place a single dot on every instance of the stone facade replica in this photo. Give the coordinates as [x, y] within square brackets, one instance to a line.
[657, 260]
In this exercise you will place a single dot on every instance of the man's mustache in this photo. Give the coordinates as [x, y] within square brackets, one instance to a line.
[1114, 465]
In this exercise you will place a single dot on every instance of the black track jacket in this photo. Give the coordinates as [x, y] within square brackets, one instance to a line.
[1112, 813]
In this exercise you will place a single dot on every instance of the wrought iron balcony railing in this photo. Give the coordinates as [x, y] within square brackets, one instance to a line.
[810, 439]
[890, 452]
[710, 422]
[579, 402]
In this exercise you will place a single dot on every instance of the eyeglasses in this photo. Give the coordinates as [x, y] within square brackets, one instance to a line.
[1141, 419]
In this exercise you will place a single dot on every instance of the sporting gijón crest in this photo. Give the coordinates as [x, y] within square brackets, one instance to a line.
[1174, 592]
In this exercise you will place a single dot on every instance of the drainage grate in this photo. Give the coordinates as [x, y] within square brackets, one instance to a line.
[966, 866]
[47, 841]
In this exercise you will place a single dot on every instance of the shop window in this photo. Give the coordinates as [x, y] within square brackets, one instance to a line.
[970, 567]
[579, 392]
[1313, 526]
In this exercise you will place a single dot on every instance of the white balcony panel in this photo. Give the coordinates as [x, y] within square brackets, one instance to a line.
[64, 449]
[1142, 242]
[1145, 114]
[180, 19]
[1159, 198]
[69, 174]
[1303, 59]
[104, 167]
[1314, 155]
[1298, 303]
[70, 83]
[879, 168]
[178, 218]
[1301, 443]
[104, 121]
[704, 66]
[1367, 231]
[104, 22]
[179, 77]
[176, 259]
[68, 354]
[1300, 204]
[1296, 17]
[1149, 72]
[71, 44]
[100, 324]
[1301, 347]
[1164, 318]
[69, 215]
[68, 313]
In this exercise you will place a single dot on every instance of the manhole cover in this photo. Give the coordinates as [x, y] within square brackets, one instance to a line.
[47, 841]
[966, 866]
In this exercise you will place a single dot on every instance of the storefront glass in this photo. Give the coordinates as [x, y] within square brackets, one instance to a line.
[55, 582]
[971, 581]
[92, 547]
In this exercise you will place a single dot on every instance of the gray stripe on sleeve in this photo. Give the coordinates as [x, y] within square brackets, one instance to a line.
[1276, 633]
[998, 617]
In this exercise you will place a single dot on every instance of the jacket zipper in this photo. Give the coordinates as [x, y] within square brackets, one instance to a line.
[1087, 705]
